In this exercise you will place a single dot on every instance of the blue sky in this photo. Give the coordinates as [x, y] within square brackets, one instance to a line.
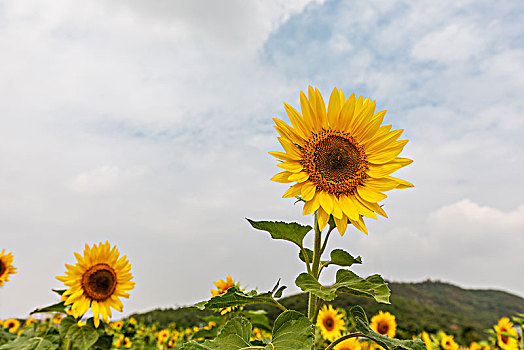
[148, 124]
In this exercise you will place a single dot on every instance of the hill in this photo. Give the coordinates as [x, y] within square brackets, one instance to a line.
[425, 306]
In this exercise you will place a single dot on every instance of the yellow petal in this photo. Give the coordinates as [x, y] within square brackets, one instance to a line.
[361, 208]
[308, 190]
[322, 218]
[380, 185]
[401, 183]
[96, 311]
[320, 109]
[346, 113]
[308, 113]
[348, 207]
[388, 154]
[280, 155]
[337, 208]
[290, 148]
[382, 141]
[294, 167]
[299, 177]
[293, 191]
[359, 224]
[293, 135]
[297, 121]
[370, 130]
[342, 225]
[326, 201]
[311, 205]
[334, 107]
[370, 195]
[282, 177]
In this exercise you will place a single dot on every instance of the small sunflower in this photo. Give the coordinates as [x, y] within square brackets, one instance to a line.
[341, 159]
[447, 342]
[12, 325]
[97, 281]
[384, 323]
[6, 267]
[30, 321]
[330, 322]
[505, 342]
[427, 340]
[222, 287]
[348, 344]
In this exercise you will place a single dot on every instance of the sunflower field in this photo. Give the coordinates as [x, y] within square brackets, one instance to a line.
[339, 161]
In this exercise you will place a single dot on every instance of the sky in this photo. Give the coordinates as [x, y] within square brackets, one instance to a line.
[148, 124]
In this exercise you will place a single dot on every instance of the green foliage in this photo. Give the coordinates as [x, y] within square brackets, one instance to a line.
[362, 325]
[292, 331]
[33, 339]
[82, 337]
[58, 307]
[292, 232]
[342, 258]
[346, 282]
[234, 297]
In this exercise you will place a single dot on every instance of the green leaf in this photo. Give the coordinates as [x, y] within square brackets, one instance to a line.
[292, 331]
[309, 253]
[362, 325]
[58, 307]
[59, 291]
[346, 282]
[258, 319]
[234, 297]
[342, 258]
[206, 333]
[292, 232]
[83, 337]
[35, 343]
[279, 292]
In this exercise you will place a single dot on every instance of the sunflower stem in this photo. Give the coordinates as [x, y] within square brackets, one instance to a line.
[315, 268]
[306, 258]
[341, 339]
[331, 228]
[69, 344]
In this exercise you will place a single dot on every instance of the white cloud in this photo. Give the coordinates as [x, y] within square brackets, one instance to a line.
[104, 180]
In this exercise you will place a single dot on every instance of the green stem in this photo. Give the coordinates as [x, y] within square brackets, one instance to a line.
[351, 335]
[277, 304]
[69, 344]
[306, 258]
[315, 268]
[326, 239]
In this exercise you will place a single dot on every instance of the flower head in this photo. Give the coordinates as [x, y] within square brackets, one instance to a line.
[97, 281]
[340, 158]
[330, 322]
[6, 266]
[12, 325]
[348, 344]
[384, 323]
[447, 342]
[504, 341]
[222, 287]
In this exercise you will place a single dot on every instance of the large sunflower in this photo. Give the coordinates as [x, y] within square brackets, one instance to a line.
[97, 281]
[505, 342]
[341, 158]
[6, 267]
[384, 323]
[330, 322]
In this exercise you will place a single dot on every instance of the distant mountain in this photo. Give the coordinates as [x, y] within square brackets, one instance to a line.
[425, 306]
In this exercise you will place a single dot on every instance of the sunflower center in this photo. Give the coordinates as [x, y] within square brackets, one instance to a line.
[335, 162]
[383, 328]
[99, 282]
[504, 338]
[329, 323]
[2, 268]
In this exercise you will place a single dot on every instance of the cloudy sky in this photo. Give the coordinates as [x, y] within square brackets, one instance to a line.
[148, 124]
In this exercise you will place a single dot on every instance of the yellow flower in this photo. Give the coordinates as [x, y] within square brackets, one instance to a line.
[133, 321]
[348, 344]
[30, 321]
[505, 342]
[427, 340]
[447, 342]
[341, 158]
[384, 323]
[116, 324]
[222, 287]
[330, 322]
[97, 281]
[162, 336]
[12, 325]
[57, 318]
[474, 346]
[127, 343]
[171, 342]
[6, 267]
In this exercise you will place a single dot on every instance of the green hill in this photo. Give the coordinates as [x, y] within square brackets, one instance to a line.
[429, 306]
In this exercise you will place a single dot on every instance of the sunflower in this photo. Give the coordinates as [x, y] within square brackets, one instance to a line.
[330, 322]
[97, 281]
[348, 344]
[6, 267]
[341, 158]
[506, 342]
[12, 325]
[162, 336]
[30, 321]
[384, 323]
[222, 287]
[447, 342]
[427, 340]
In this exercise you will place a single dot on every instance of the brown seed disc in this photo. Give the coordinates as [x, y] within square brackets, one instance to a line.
[99, 282]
